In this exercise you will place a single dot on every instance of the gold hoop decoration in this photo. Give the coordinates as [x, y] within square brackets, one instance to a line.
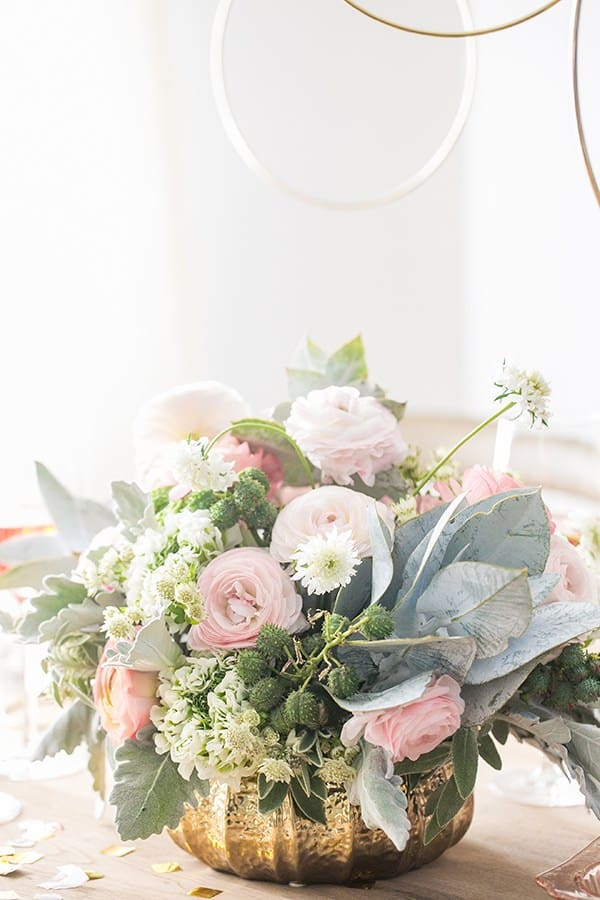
[578, 114]
[248, 156]
[477, 32]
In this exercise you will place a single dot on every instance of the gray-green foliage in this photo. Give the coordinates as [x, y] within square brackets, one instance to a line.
[377, 790]
[149, 793]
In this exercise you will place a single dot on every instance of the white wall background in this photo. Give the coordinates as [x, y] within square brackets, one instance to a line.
[139, 251]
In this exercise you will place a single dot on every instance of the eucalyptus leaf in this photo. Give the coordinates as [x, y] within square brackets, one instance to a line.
[67, 732]
[381, 546]
[152, 650]
[149, 793]
[400, 694]
[487, 602]
[427, 762]
[77, 520]
[378, 793]
[58, 593]
[482, 701]
[542, 585]
[551, 626]
[32, 574]
[32, 548]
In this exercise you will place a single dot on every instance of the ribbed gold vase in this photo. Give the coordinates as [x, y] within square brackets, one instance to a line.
[227, 833]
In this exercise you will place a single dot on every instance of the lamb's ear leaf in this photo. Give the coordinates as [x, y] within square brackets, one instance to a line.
[77, 520]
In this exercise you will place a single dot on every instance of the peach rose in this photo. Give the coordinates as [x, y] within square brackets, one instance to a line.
[242, 590]
[123, 698]
[242, 457]
[415, 728]
[318, 511]
[344, 434]
[576, 582]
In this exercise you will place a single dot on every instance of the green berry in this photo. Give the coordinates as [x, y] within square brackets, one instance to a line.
[573, 661]
[248, 494]
[343, 681]
[379, 624]
[251, 667]
[562, 695]
[224, 513]
[273, 642]
[538, 683]
[587, 691]
[201, 500]
[334, 624]
[312, 643]
[266, 694]
[256, 475]
[302, 709]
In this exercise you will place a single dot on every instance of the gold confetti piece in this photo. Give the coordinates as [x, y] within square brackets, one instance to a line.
[93, 876]
[207, 893]
[9, 895]
[165, 868]
[118, 850]
[21, 859]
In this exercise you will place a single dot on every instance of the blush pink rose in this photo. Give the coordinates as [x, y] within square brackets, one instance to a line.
[123, 698]
[244, 589]
[415, 728]
[576, 582]
[321, 510]
[243, 457]
[344, 434]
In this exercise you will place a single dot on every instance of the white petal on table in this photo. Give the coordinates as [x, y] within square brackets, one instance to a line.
[68, 876]
[10, 808]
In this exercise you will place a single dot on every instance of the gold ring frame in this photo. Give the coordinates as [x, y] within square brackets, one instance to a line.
[578, 114]
[247, 154]
[478, 32]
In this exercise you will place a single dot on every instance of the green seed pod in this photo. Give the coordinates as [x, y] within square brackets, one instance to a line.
[343, 681]
[224, 513]
[573, 660]
[333, 624]
[538, 682]
[262, 515]
[302, 709]
[266, 694]
[256, 475]
[202, 500]
[587, 691]
[379, 624]
[312, 643]
[248, 494]
[273, 641]
[251, 667]
[562, 695]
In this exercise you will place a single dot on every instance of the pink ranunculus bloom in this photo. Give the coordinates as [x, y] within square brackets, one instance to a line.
[415, 728]
[576, 582]
[244, 589]
[480, 482]
[123, 698]
[243, 457]
[344, 434]
[318, 511]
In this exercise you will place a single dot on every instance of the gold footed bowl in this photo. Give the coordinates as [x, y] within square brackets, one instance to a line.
[227, 833]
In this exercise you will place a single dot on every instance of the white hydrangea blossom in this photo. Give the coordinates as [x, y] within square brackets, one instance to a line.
[193, 527]
[196, 468]
[206, 723]
[326, 561]
[529, 389]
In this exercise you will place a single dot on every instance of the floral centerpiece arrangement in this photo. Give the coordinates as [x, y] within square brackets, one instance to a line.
[303, 601]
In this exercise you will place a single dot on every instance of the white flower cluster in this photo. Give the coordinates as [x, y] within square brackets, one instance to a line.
[206, 723]
[529, 389]
[104, 568]
[166, 564]
[326, 561]
[195, 468]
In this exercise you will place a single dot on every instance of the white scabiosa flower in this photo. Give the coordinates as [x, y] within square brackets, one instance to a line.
[276, 770]
[326, 561]
[119, 624]
[195, 468]
[336, 772]
[530, 391]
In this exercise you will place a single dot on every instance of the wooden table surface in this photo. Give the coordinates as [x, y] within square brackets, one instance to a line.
[507, 845]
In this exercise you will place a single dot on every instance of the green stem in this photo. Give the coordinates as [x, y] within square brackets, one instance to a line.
[268, 426]
[442, 462]
[333, 642]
